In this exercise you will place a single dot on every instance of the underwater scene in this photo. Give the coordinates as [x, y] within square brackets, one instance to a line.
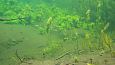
[57, 32]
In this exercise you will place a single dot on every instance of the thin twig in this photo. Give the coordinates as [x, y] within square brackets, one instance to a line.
[62, 55]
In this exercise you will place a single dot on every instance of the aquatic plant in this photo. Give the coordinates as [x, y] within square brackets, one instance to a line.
[76, 60]
[49, 22]
[113, 54]
[106, 40]
[52, 49]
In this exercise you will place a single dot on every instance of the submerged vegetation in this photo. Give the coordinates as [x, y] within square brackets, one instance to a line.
[66, 30]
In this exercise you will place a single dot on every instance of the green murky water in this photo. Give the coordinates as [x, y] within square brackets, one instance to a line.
[56, 32]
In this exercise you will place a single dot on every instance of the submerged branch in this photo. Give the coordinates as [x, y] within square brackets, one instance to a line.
[17, 55]
[62, 55]
[8, 19]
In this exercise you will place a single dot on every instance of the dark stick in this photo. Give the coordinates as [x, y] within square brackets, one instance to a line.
[18, 56]
[8, 19]
[62, 55]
